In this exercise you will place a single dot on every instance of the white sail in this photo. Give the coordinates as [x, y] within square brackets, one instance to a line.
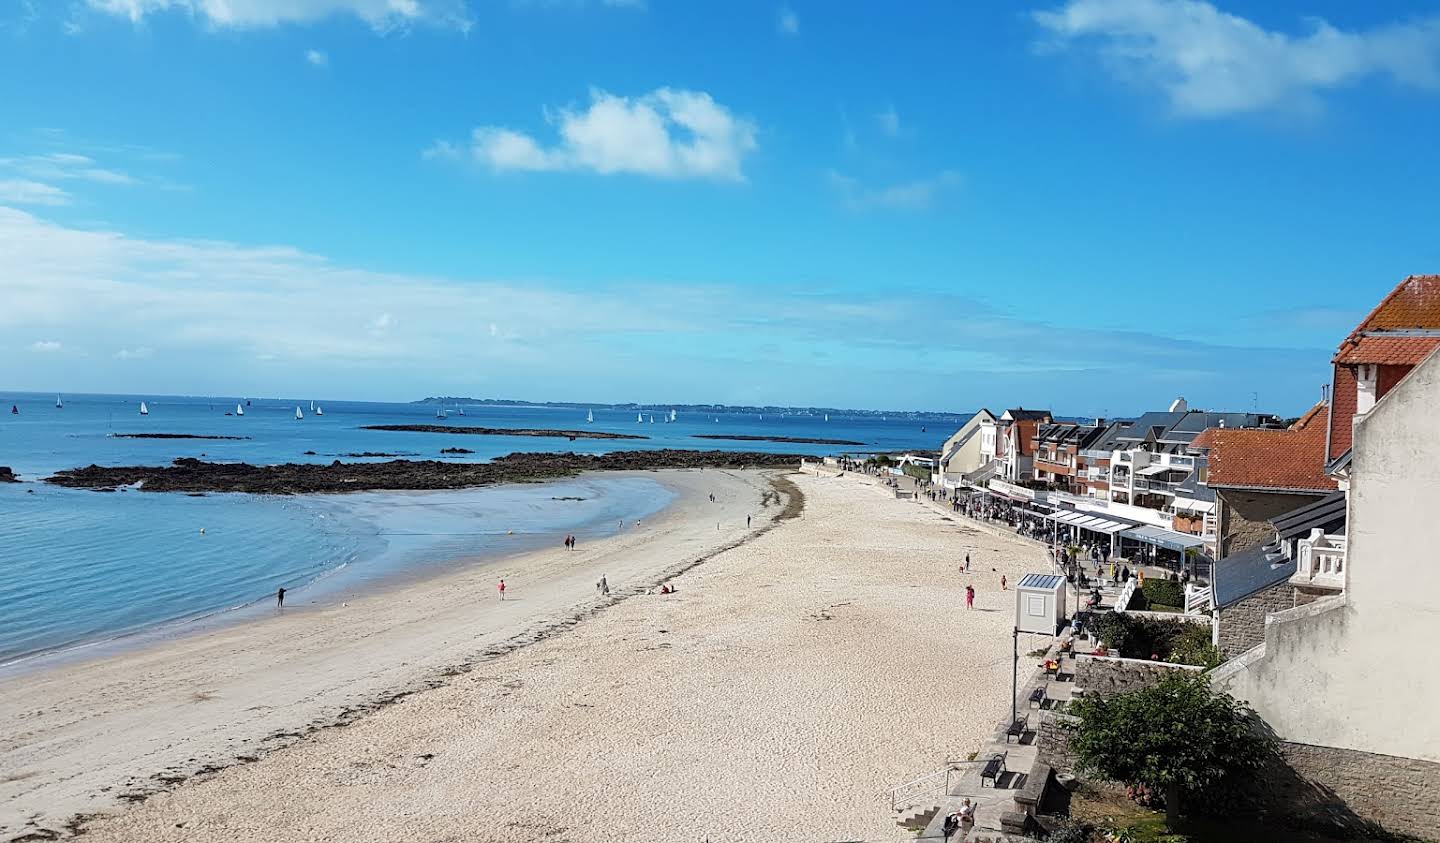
[590, 417]
[441, 414]
[672, 415]
[144, 410]
[652, 419]
[298, 415]
[827, 417]
[312, 406]
[59, 405]
[239, 410]
[639, 419]
[319, 411]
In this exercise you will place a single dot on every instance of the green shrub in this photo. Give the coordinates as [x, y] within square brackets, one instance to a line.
[1070, 830]
[1192, 646]
[1165, 592]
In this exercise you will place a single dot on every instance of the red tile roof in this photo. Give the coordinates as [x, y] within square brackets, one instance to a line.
[1344, 403]
[1414, 304]
[1386, 351]
[1270, 459]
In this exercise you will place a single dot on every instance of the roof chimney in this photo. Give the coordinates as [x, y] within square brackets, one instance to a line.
[1222, 423]
[1325, 394]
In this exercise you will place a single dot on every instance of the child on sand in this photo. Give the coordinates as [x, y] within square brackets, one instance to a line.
[969, 596]
[502, 589]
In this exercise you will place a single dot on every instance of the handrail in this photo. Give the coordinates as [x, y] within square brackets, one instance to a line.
[1122, 602]
[1198, 599]
[911, 792]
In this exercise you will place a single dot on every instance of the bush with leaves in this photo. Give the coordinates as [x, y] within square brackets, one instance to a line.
[1193, 647]
[1178, 737]
[1164, 592]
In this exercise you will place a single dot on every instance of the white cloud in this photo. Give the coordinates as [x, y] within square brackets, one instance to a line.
[381, 15]
[143, 352]
[62, 166]
[46, 346]
[317, 58]
[1211, 63]
[667, 134]
[24, 192]
[787, 22]
[889, 121]
[915, 195]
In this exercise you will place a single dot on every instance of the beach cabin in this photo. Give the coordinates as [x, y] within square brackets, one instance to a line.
[1040, 603]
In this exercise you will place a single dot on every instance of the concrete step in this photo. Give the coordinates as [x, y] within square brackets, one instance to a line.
[915, 818]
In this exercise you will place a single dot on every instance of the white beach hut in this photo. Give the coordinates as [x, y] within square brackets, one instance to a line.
[1040, 603]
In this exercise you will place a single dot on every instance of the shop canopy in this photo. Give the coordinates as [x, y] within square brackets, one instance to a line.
[1161, 537]
[1089, 522]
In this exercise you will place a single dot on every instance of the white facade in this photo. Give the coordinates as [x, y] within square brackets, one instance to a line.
[1040, 603]
[1355, 671]
[964, 452]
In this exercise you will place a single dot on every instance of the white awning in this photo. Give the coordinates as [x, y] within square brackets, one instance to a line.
[1161, 537]
[1203, 507]
[1152, 470]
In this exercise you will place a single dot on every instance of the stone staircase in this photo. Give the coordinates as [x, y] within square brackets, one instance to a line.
[917, 817]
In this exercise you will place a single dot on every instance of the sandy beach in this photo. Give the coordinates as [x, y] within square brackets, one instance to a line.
[792, 680]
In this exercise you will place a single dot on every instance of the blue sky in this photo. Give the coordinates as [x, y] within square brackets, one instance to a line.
[1090, 204]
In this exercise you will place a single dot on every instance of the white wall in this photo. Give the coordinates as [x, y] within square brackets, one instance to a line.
[970, 456]
[1361, 673]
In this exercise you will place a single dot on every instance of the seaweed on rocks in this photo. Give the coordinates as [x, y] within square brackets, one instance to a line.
[790, 440]
[191, 475]
[502, 431]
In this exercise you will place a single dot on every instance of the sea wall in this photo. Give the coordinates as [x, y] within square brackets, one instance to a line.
[1242, 624]
[1108, 675]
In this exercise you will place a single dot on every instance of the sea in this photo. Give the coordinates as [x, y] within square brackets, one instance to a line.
[82, 572]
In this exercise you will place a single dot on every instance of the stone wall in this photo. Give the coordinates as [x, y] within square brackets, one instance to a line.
[1245, 517]
[1052, 742]
[1105, 675]
[1242, 624]
[1330, 787]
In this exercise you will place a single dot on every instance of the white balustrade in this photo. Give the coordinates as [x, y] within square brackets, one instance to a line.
[1320, 560]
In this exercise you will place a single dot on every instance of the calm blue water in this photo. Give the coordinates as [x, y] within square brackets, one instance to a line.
[79, 567]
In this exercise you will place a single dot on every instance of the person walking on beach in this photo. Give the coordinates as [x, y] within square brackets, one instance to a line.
[280, 598]
[969, 596]
[747, 522]
[502, 589]
[1004, 586]
[967, 562]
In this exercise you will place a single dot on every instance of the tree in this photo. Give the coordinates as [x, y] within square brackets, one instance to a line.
[1179, 737]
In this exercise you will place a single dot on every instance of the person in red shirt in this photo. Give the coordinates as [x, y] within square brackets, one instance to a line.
[502, 589]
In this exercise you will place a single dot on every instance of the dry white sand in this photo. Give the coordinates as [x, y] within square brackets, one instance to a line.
[792, 680]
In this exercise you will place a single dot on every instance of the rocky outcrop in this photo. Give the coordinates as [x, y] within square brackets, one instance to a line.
[192, 475]
[7, 476]
[171, 436]
[501, 431]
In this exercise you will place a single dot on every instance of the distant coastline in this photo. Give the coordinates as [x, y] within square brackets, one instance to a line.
[501, 431]
[448, 400]
[789, 440]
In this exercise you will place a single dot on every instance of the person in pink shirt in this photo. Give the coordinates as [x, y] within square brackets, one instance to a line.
[969, 596]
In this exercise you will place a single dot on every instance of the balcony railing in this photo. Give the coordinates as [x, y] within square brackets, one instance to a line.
[1320, 560]
[1145, 483]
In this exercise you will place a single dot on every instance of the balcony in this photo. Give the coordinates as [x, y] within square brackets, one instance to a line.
[1161, 487]
[1320, 561]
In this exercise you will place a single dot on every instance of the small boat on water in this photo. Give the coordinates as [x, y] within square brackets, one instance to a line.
[14, 409]
[319, 411]
[298, 415]
[672, 415]
[827, 417]
[652, 419]
[312, 406]
[239, 410]
[59, 405]
[441, 414]
[459, 411]
[144, 410]
[639, 419]
[590, 417]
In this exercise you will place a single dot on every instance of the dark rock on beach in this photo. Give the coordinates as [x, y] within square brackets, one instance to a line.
[192, 475]
[456, 451]
[792, 440]
[7, 476]
[502, 431]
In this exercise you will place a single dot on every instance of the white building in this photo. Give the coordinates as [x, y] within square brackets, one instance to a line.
[964, 453]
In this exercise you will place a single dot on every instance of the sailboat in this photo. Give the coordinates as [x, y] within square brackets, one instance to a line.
[319, 411]
[672, 415]
[239, 410]
[652, 419]
[59, 405]
[14, 409]
[459, 410]
[639, 419]
[590, 417]
[144, 410]
[827, 417]
[298, 415]
[441, 414]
